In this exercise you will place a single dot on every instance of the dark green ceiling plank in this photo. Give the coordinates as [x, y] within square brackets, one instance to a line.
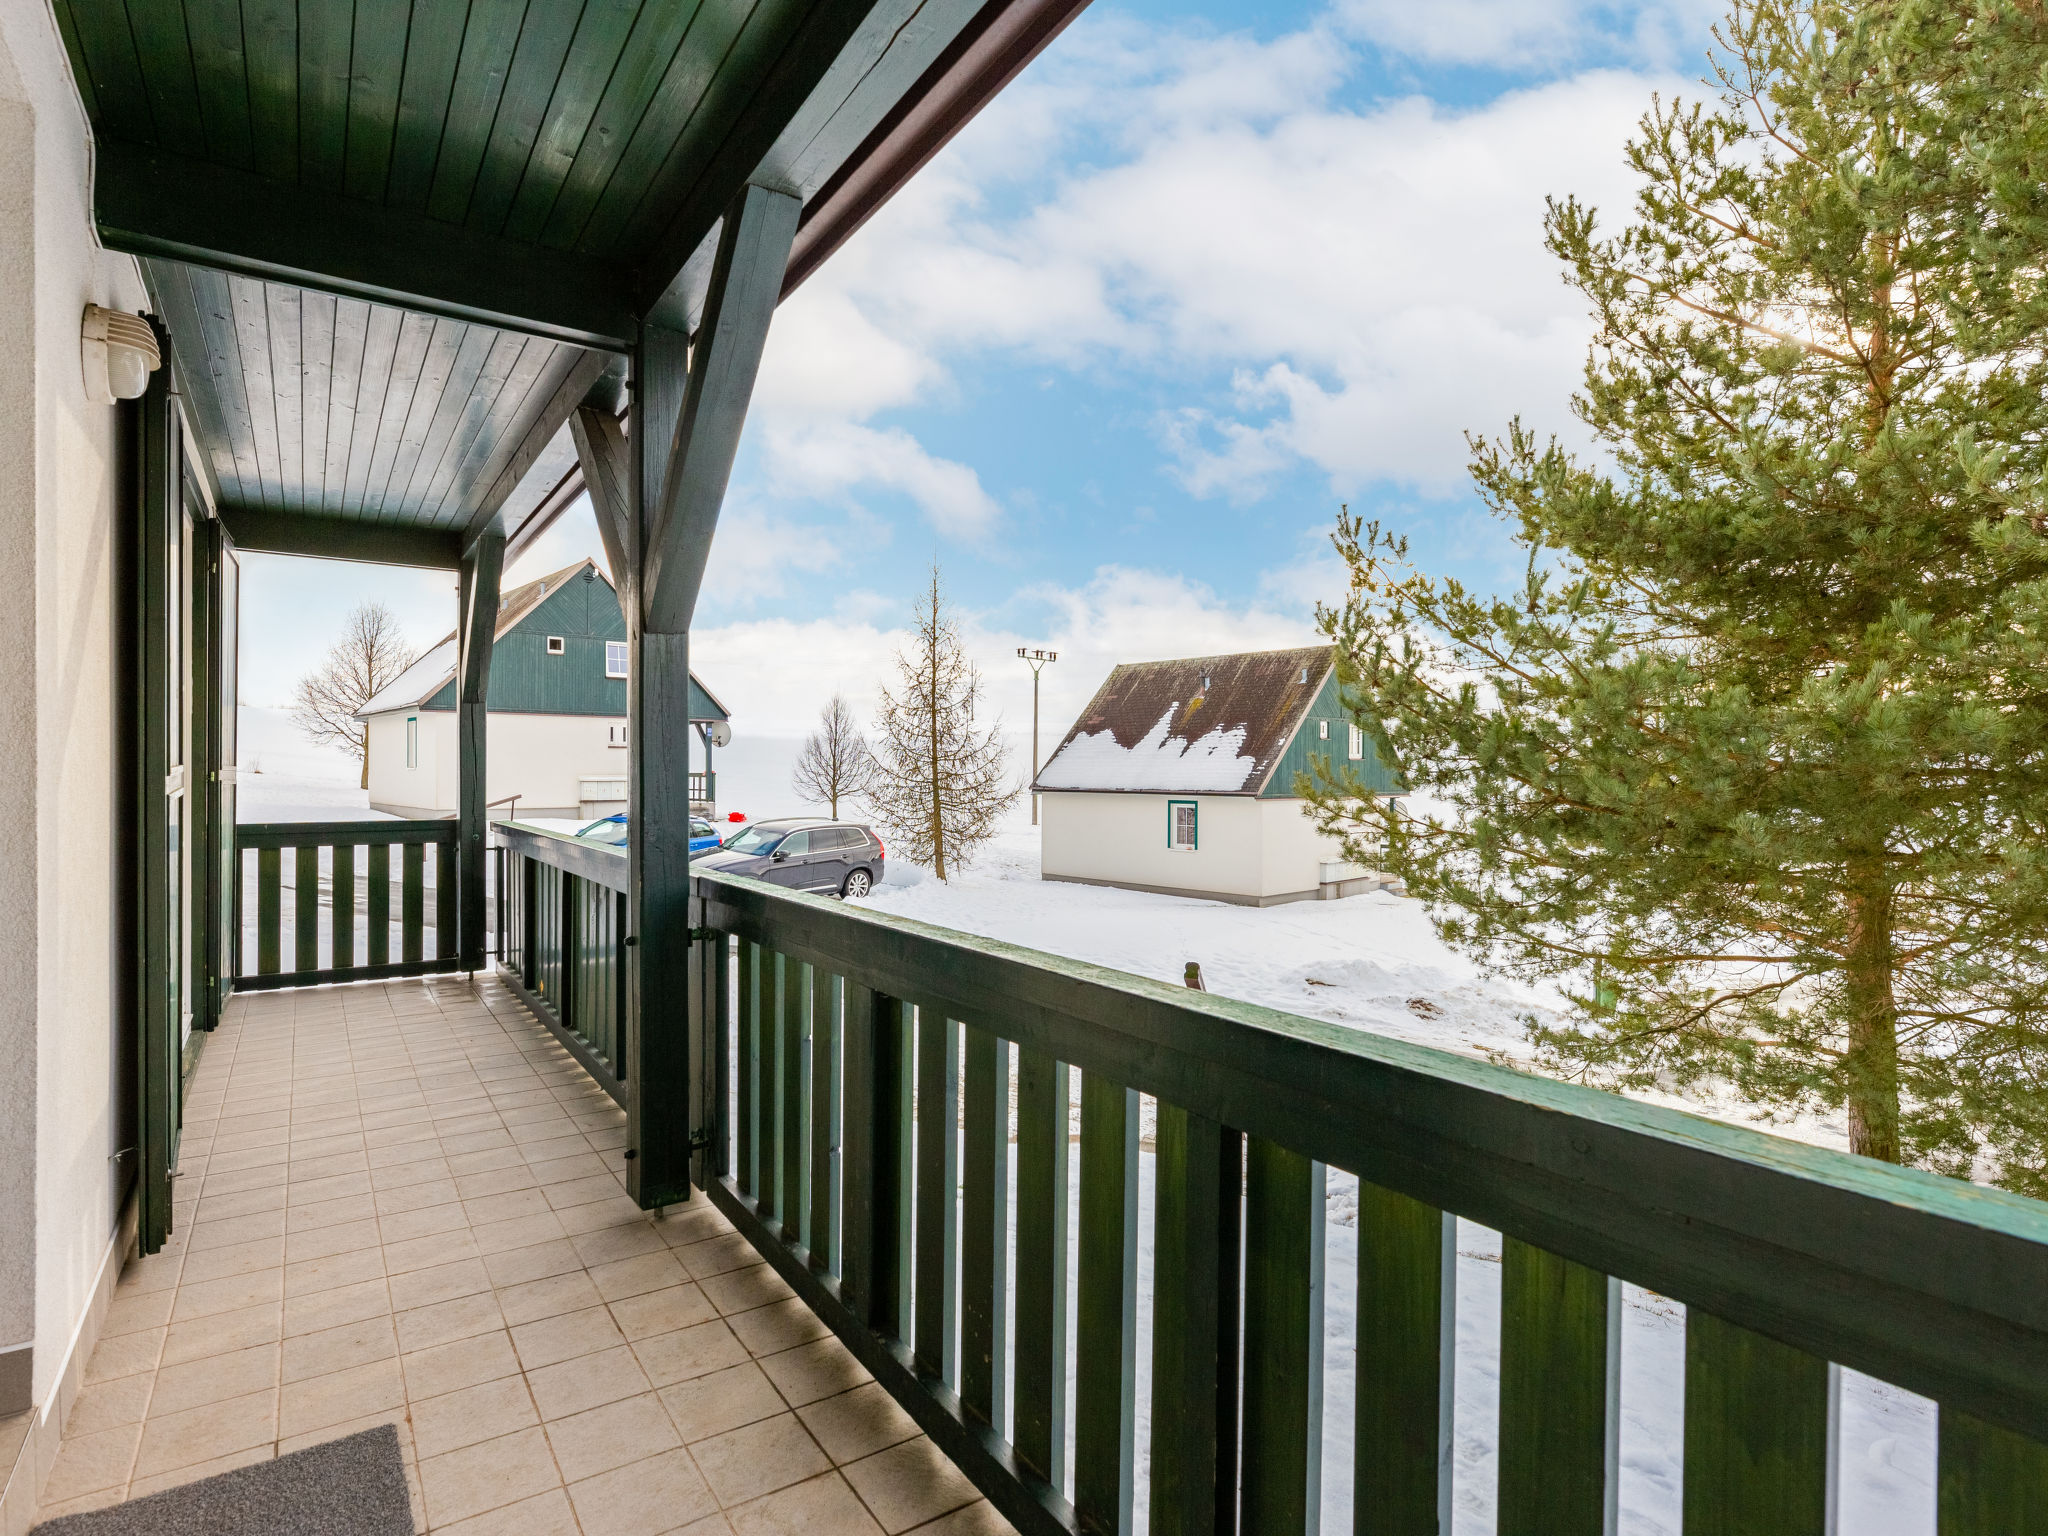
[340, 538]
[376, 71]
[744, 113]
[408, 365]
[158, 28]
[456, 390]
[215, 307]
[655, 137]
[487, 45]
[316, 357]
[351, 335]
[81, 71]
[270, 30]
[171, 286]
[444, 348]
[151, 203]
[215, 27]
[432, 50]
[326, 40]
[529, 87]
[287, 379]
[649, 62]
[380, 350]
[473, 419]
[576, 370]
[252, 337]
[606, 40]
[507, 407]
[97, 33]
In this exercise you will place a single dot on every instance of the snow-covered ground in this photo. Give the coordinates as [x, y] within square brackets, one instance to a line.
[1373, 962]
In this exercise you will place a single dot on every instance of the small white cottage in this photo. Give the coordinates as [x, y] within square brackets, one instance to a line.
[1179, 777]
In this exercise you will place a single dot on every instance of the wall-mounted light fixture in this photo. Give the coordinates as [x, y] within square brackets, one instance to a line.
[118, 354]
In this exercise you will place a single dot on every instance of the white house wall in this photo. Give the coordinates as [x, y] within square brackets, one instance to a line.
[1292, 851]
[60, 476]
[543, 759]
[1248, 850]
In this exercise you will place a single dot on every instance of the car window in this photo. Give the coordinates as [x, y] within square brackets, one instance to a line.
[796, 842]
[755, 840]
[847, 837]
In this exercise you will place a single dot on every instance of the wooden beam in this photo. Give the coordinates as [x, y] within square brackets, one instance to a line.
[606, 463]
[478, 626]
[538, 451]
[341, 538]
[151, 203]
[746, 282]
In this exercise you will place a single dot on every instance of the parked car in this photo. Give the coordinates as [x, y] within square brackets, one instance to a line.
[806, 854]
[611, 831]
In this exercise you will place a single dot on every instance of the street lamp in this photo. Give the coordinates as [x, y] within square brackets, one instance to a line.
[1037, 661]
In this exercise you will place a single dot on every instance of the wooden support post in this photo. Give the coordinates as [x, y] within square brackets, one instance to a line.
[689, 403]
[482, 566]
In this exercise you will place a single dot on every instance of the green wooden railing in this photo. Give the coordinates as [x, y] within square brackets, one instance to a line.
[562, 940]
[894, 1135]
[362, 906]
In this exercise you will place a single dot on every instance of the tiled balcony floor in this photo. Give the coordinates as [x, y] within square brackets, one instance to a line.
[400, 1203]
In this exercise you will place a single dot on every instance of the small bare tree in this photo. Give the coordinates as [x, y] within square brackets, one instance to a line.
[937, 783]
[835, 761]
[362, 663]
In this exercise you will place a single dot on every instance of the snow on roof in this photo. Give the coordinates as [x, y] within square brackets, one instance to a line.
[1212, 725]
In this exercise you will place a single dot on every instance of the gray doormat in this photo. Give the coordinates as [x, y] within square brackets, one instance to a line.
[349, 1487]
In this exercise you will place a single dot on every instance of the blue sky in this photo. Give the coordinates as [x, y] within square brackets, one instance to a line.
[1115, 357]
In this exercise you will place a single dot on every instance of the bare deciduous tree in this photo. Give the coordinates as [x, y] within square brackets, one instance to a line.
[369, 656]
[937, 783]
[835, 762]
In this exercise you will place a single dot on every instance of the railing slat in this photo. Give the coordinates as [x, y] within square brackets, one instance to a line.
[269, 911]
[1197, 1212]
[1283, 1341]
[768, 1095]
[1106, 1321]
[747, 1069]
[985, 1225]
[794, 1010]
[1407, 1322]
[306, 908]
[1991, 1482]
[343, 900]
[1039, 1431]
[1756, 1433]
[938, 1184]
[445, 899]
[378, 903]
[892, 1167]
[1560, 1378]
[412, 923]
[824, 1182]
[859, 1093]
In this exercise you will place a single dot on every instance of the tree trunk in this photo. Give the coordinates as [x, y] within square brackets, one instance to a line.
[366, 755]
[1870, 1066]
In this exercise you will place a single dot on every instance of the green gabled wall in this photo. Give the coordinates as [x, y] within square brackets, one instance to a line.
[1308, 742]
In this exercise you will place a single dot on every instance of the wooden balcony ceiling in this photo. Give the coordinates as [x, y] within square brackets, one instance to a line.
[396, 241]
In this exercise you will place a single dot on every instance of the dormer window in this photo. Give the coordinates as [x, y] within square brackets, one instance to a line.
[557, 645]
[615, 658]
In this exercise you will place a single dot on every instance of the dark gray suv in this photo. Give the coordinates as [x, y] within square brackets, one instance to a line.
[830, 857]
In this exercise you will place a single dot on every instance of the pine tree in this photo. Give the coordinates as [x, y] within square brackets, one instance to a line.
[938, 784]
[835, 761]
[1755, 762]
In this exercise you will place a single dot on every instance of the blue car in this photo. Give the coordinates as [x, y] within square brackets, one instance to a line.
[611, 831]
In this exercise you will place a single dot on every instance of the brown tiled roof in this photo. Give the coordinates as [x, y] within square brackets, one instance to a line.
[1217, 712]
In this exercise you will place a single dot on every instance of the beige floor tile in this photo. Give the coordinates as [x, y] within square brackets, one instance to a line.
[688, 1352]
[177, 1477]
[711, 1405]
[415, 1194]
[339, 1349]
[465, 1363]
[218, 1429]
[320, 1242]
[664, 1311]
[424, 1222]
[329, 1186]
[434, 1251]
[83, 1505]
[821, 1369]
[219, 1332]
[109, 1404]
[909, 1484]
[241, 1203]
[718, 1255]
[517, 1232]
[550, 1297]
[339, 1396]
[647, 1498]
[209, 1298]
[472, 1415]
[584, 1205]
[536, 1263]
[618, 1279]
[744, 1290]
[394, 1416]
[329, 1213]
[977, 1519]
[824, 1506]
[780, 1326]
[335, 1270]
[90, 1462]
[137, 1312]
[446, 1321]
[609, 1244]
[546, 1514]
[745, 1463]
[493, 1181]
[629, 1430]
[130, 1353]
[331, 1309]
[857, 1423]
[213, 1378]
[235, 1259]
[443, 1282]
[586, 1382]
[506, 1207]
[565, 1336]
[489, 1475]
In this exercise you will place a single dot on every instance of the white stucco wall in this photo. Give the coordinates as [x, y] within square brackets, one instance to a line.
[1248, 849]
[543, 759]
[60, 476]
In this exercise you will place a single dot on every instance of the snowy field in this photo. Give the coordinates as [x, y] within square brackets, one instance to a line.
[1374, 963]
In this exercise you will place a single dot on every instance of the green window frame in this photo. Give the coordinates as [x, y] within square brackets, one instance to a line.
[1173, 825]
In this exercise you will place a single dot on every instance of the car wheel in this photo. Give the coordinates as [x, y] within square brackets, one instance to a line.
[857, 884]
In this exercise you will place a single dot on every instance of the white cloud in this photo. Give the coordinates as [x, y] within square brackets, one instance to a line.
[1531, 35]
[825, 458]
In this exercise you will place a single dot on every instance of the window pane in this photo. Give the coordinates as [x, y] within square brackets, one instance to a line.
[795, 843]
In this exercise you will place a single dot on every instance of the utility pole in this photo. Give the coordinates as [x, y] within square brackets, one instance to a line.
[1036, 661]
